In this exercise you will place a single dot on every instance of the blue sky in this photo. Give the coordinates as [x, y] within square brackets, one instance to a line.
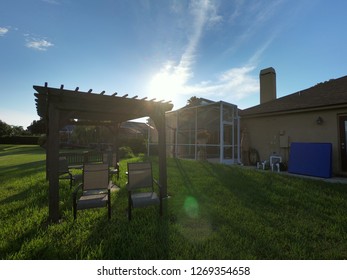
[167, 49]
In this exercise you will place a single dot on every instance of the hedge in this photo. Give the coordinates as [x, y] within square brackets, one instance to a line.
[19, 140]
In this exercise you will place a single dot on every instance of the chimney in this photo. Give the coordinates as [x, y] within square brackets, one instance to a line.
[267, 79]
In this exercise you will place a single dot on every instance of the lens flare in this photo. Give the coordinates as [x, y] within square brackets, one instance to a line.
[191, 207]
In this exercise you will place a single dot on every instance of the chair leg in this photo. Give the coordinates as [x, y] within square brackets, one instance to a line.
[74, 205]
[109, 210]
[161, 208]
[74, 211]
[109, 204]
[71, 180]
[129, 206]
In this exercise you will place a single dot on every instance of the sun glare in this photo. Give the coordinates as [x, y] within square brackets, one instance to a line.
[166, 84]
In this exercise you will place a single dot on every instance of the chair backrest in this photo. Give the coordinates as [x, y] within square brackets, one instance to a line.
[140, 175]
[63, 165]
[95, 176]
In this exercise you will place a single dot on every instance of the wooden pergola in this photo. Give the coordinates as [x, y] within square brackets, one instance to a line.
[60, 107]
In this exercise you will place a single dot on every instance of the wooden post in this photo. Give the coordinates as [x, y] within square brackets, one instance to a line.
[114, 129]
[115, 140]
[159, 120]
[53, 162]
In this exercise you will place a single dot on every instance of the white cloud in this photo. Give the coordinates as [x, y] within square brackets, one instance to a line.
[173, 80]
[38, 44]
[173, 77]
[251, 16]
[3, 31]
[238, 83]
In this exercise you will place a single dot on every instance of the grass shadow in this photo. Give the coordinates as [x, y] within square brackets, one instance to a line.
[215, 212]
[13, 150]
[24, 170]
[144, 237]
[299, 214]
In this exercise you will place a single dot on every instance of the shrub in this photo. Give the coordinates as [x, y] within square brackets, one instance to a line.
[126, 152]
[137, 145]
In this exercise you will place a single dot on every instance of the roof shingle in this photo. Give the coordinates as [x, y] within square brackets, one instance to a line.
[329, 93]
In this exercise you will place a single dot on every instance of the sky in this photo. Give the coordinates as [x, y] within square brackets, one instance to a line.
[166, 49]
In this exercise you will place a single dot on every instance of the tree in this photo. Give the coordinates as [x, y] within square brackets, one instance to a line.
[5, 129]
[84, 135]
[17, 130]
[193, 101]
[10, 130]
[37, 127]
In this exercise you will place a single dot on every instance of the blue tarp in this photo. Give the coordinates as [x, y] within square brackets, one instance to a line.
[312, 159]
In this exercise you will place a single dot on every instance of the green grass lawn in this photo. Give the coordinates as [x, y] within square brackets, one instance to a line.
[214, 212]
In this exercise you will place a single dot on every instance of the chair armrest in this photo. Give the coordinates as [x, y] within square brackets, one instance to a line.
[110, 185]
[157, 183]
[74, 194]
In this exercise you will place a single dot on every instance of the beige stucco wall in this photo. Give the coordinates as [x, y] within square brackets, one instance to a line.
[269, 134]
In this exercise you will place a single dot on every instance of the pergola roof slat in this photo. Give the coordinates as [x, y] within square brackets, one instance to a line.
[99, 107]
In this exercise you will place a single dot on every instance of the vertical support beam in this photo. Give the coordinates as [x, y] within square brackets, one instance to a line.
[238, 140]
[196, 134]
[114, 130]
[159, 120]
[148, 139]
[176, 135]
[52, 162]
[221, 134]
[116, 141]
[233, 137]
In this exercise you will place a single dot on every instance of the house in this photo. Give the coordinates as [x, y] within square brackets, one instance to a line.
[315, 115]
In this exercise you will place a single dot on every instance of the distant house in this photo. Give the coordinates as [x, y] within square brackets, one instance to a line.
[317, 115]
[65, 134]
[131, 129]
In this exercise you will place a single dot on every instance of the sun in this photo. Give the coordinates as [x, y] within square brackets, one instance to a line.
[166, 84]
[162, 86]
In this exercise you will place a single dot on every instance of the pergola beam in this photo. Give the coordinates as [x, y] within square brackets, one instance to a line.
[159, 120]
[52, 162]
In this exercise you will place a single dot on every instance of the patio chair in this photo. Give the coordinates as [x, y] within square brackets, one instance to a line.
[141, 188]
[96, 189]
[64, 172]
